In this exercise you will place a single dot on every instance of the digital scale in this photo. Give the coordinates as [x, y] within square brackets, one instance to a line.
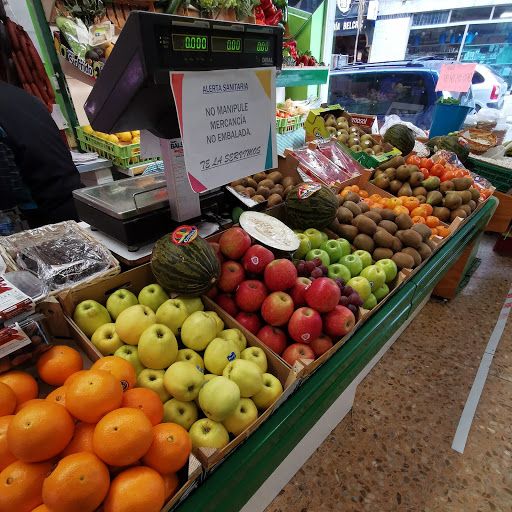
[133, 92]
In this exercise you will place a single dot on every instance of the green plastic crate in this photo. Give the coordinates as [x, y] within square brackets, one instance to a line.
[500, 177]
[123, 156]
[289, 124]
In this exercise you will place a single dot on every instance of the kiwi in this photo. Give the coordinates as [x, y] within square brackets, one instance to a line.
[419, 191]
[364, 242]
[249, 182]
[457, 213]
[266, 183]
[240, 189]
[263, 191]
[389, 226]
[423, 230]
[259, 176]
[446, 186]
[425, 251]
[288, 182]
[466, 208]
[431, 245]
[383, 239]
[414, 253]
[403, 260]
[366, 225]
[411, 238]
[464, 194]
[403, 172]
[340, 199]
[348, 232]
[381, 253]
[378, 211]
[405, 190]
[472, 205]
[397, 245]
[352, 196]
[372, 214]
[416, 179]
[442, 213]
[475, 194]
[403, 221]
[286, 191]
[395, 186]
[353, 207]
[388, 215]
[462, 183]
[452, 201]
[277, 190]
[364, 207]
[275, 176]
[250, 191]
[344, 215]
[274, 199]
[258, 198]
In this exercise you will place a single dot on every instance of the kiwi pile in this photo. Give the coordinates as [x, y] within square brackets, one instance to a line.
[383, 233]
[270, 187]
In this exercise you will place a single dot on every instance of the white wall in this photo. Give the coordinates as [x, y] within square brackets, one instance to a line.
[390, 39]
[411, 6]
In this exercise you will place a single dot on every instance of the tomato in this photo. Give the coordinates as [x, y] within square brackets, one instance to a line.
[458, 173]
[437, 170]
[441, 161]
[425, 172]
[427, 163]
[485, 193]
[447, 176]
[414, 160]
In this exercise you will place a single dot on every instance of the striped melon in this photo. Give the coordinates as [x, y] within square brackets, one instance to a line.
[311, 205]
[184, 263]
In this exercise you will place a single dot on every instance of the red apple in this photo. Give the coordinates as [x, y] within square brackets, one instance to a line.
[305, 325]
[297, 351]
[213, 293]
[256, 259]
[321, 345]
[234, 243]
[277, 308]
[273, 337]
[280, 275]
[216, 248]
[250, 321]
[323, 294]
[227, 302]
[231, 275]
[250, 296]
[338, 322]
[297, 291]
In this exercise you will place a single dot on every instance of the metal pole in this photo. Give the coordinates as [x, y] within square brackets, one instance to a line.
[360, 12]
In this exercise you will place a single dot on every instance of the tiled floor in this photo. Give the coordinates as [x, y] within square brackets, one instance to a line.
[393, 452]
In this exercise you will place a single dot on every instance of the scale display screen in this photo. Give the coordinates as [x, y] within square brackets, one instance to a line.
[189, 43]
[198, 43]
[226, 44]
[258, 45]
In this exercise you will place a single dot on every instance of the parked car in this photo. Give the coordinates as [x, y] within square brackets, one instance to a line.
[405, 88]
[489, 89]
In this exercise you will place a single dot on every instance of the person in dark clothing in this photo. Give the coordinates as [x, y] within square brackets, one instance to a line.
[37, 173]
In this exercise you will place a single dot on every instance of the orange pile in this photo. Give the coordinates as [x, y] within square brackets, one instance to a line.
[89, 431]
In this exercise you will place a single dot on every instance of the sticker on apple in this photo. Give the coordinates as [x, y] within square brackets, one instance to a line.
[183, 235]
[255, 260]
[308, 189]
[200, 369]
[306, 336]
[231, 357]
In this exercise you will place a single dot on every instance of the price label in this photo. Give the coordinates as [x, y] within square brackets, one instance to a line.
[455, 77]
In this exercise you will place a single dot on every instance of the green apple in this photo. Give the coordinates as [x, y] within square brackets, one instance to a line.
[183, 380]
[382, 292]
[182, 413]
[208, 434]
[315, 237]
[272, 389]
[172, 313]
[158, 347]
[256, 355]
[131, 354]
[89, 315]
[389, 266]
[219, 322]
[319, 253]
[133, 321]
[187, 354]
[362, 286]
[235, 335]
[219, 353]
[153, 296]
[207, 377]
[375, 275]
[245, 414]
[353, 263]
[193, 303]
[298, 231]
[119, 301]
[324, 236]
[106, 340]
[370, 303]
[345, 246]
[154, 380]
[365, 256]
[338, 270]
[333, 250]
[198, 330]
[246, 375]
[219, 398]
[304, 246]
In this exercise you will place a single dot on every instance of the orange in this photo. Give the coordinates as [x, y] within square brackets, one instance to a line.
[434, 232]
[7, 400]
[40, 431]
[172, 484]
[394, 202]
[428, 208]
[6, 457]
[58, 396]
[443, 232]
[23, 384]
[28, 402]
[368, 201]
[145, 400]
[170, 448]
[401, 209]
[93, 394]
[21, 484]
[419, 211]
[79, 482]
[354, 188]
[118, 367]
[72, 377]
[384, 201]
[81, 440]
[363, 194]
[345, 192]
[410, 203]
[41, 508]
[417, 219]
[122, 436]
[137, 489]
[58, 363]
[432, 222]
[375, 198]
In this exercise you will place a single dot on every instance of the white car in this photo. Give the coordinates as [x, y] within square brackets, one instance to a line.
[489, 89]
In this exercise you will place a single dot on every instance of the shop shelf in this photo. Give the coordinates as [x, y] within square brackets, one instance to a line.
[500, 177]
[294, 76]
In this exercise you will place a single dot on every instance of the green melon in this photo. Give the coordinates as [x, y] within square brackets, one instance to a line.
[311, 205]
[401, 137]
[453, 143]
[191, 268]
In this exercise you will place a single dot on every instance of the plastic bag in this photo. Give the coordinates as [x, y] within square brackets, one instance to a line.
[316, 165]
[487, 118]
[74, 34]
[335, 154]
[470, 122]
[394, 119]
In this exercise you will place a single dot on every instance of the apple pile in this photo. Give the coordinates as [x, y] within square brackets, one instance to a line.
[294, 316]
[171, 343]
